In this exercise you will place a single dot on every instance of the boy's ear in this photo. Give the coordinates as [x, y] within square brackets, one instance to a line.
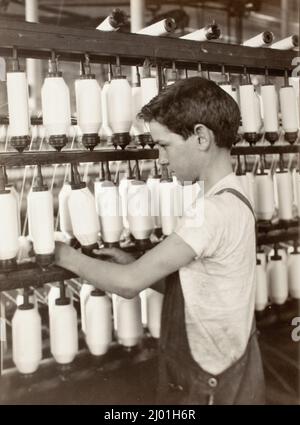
[203, 135]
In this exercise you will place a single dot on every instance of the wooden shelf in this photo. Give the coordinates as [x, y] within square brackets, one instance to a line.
[12, 159]
[30, 274]
[278, 236]
[37, 40]
[99, 375]
[265, 150]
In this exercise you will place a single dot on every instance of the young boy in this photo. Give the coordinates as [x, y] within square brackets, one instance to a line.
[208, 347]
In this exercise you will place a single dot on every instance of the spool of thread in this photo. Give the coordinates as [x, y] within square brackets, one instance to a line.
[287, 43]
[208, 33]
[285, 194]
[138, 129]
[98, 313]
[289, 113]
[179, 197]
[113, 22]
[41, 132]
[232, 91]
[26, 337]
[235, 95]
[114, 299]
[88, 107]
[98, 182]
[154, 309]
[248, 105]
[85, 221]
[258, 108]
[278, 279]
[15, 194]
[109, 210]
[242, 177]
[270, 111]
[129, 321]
[56, 107]
[3, 133]
[119, 102]
[63, 330]
[143, 297]
[297, 184]
[85, 292]
[9, 244]
[149, 89]
[167, 203]
[24, 250]
[167, 207]
[263, 196]
[261, 294]
[263, 39]
[64, 214]
[162, 27]
[41, 221]
[294, 82]
[18, 109]
[105, 130]
[294, 273]
[153, 185]
[140, 221]
[123, 191]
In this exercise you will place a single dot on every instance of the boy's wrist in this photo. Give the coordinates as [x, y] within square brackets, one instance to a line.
[66, 257]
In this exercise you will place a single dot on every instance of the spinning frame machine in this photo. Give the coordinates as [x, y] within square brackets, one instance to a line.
[155, 53]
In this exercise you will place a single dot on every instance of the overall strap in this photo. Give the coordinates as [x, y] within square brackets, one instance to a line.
[240, 196]
[248, 204]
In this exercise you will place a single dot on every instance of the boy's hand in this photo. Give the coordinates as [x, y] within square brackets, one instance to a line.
[63, 254]
[114, 254]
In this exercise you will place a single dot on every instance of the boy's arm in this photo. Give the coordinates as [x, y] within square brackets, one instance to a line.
[128, 280]
[117, 255]
[159, 286]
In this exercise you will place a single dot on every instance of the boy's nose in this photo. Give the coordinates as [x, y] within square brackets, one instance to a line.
[163, 158]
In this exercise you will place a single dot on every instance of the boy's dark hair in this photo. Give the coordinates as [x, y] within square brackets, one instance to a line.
[192, 101]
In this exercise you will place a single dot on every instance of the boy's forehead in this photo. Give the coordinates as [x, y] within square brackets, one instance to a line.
[158, 131]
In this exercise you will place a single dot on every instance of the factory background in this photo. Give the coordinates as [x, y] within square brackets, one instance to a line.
[123, 373]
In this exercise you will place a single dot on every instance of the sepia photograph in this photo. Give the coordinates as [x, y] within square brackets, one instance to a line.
[150, 206]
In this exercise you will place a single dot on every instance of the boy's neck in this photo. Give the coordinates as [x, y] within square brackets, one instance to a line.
[217, 168]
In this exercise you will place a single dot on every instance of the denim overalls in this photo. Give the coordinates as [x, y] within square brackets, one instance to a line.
[181, 380]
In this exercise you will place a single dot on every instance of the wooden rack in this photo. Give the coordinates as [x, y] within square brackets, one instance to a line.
[70, 44]
[12, 159]
[38, 40]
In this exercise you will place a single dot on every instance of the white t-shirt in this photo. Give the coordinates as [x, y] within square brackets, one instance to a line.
[219, 285]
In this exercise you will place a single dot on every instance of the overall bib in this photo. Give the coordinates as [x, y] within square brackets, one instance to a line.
[181, 380]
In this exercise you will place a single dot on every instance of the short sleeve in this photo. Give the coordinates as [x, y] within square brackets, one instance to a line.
[201, 227]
